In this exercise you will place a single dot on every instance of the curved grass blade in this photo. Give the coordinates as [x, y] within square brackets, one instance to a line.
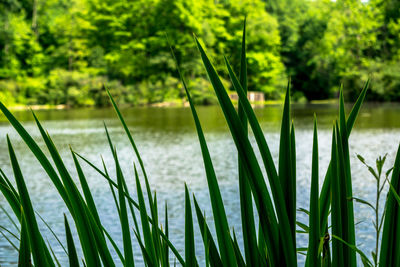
[86, 190]
[11, 199]
[41, 157]
[35, 238]
[107, 177]
[9, 240]
[10, 233]
[72, 255]
[15, 199]
[6, 181]
[78, 208]
[52, 232]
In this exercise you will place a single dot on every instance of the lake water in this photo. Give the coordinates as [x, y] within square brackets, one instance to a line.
[168, 143]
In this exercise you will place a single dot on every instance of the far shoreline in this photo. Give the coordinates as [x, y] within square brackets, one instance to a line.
[172, 104]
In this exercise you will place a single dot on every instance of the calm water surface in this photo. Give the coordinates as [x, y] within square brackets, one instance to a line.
[169, 147]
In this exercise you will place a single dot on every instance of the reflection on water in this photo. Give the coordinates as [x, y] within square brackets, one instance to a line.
[168, 143]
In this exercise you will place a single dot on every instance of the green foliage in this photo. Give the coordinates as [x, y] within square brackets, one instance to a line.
[62, 52]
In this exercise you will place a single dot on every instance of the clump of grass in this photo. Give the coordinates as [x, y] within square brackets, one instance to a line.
[273, 244]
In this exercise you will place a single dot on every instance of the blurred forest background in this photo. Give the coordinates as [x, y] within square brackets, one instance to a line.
[63, 51]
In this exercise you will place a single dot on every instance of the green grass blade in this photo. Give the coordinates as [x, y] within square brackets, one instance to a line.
[4, 179]
[347, 186]
[9, 240]
[356, 108]
[86, 190]
[54, 255]
[52, 232]
[238, 254]
[112, 149]
[11, 233]
[208, 240]
[78, 206]
[126, 236]
[147, 258]
[154, 227]
[35, 238]
[293, 159]
[153, 211]
[364, 258]
[262, 247]
[276, 188]
[220, 220]
[285, 167]
[313, 256]
[126, 191]
[145, 223]
[115, 246]
[24, 258]
[391, 230]
[246, 201]
[336, 216]
[260, 192]
[107, 177]
[136, 205]
[88, 230]
[190, 253]
[206, 244]
[41, 157]
[12, 199]
[325, 191]
[72, 255]
[165, 245]
[121, 204]
[128, 133]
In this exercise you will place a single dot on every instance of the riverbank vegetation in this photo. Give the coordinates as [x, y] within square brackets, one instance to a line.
[269, 237]
[62, 52]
